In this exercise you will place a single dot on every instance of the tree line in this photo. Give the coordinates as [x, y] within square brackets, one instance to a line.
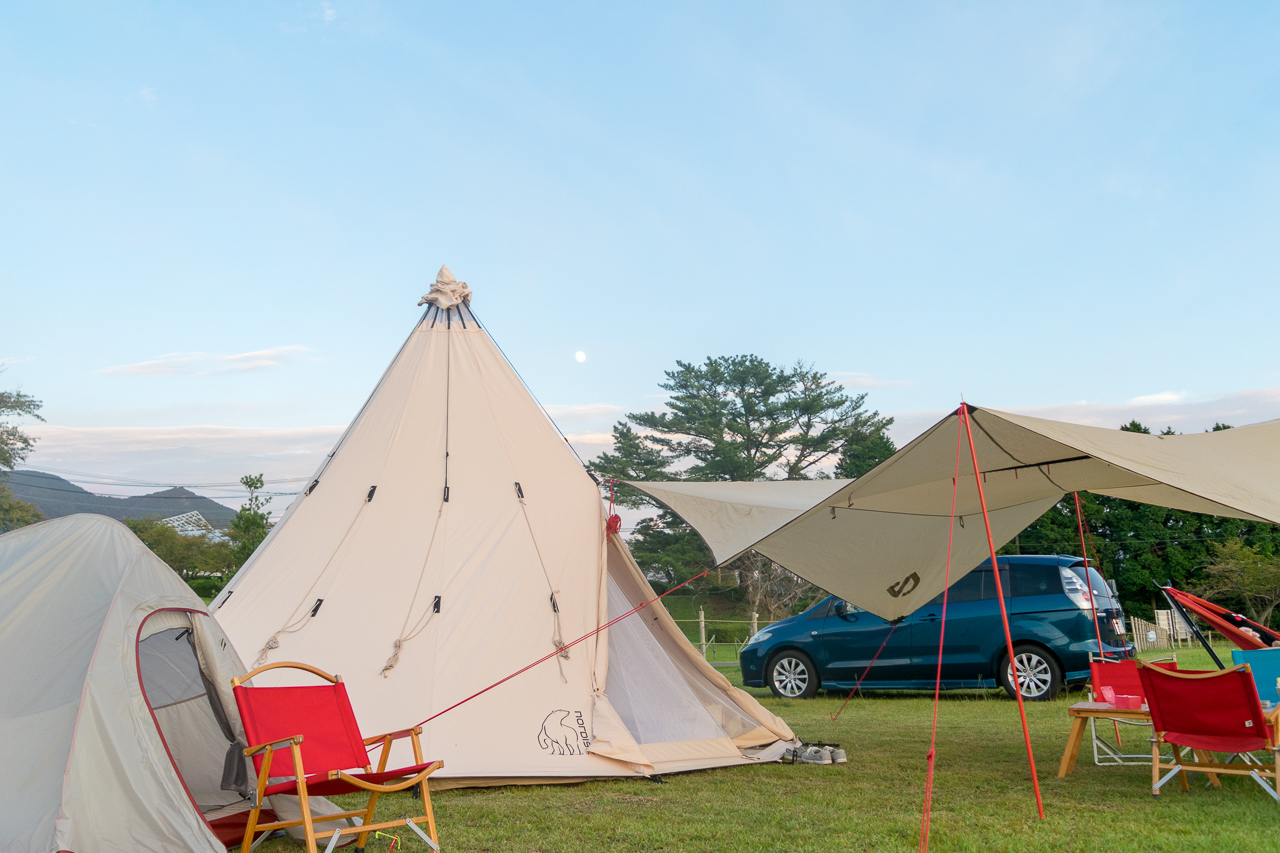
[1233, 562]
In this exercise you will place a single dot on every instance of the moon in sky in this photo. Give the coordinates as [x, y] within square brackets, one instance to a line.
[580, 356]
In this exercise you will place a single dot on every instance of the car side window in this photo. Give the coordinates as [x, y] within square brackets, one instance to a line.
[844, 609]
[825, 610]
[968, 588]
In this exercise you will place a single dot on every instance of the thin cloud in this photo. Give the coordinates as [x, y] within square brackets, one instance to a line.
[866, 380]
[591, 444]
[1178, 410]
[8, 360]
[146, 93]
[330, 14]
[208, 364]
[1158, 399]
[584, 412]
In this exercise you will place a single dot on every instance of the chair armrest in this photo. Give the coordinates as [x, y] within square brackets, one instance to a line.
[403, 733]
[254, 750]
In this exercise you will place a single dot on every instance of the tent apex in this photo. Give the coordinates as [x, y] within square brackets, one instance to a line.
[447, 291]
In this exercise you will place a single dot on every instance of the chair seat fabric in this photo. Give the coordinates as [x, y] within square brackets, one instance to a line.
[321, 785]
[230, 829]
[1220, 743]
[1122, 676]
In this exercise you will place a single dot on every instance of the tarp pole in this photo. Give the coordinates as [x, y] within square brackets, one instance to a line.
[1004, 612]
[1186, 617]
[1088, 581]
[1088, 584]
[931, 757]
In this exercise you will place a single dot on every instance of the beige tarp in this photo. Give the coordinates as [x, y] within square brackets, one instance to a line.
[451, 539]
[881, 541]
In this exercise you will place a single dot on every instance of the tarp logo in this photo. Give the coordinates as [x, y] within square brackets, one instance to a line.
[906, 586]
[564, 733]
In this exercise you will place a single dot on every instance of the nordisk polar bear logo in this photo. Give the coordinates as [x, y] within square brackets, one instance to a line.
[564, 733]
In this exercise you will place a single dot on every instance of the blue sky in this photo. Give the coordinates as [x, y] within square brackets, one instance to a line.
[217, 219]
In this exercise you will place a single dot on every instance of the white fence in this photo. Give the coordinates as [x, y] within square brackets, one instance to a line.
[721, 652]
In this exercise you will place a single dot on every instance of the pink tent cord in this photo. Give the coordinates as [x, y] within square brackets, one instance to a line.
[561, 649]
[837, 714]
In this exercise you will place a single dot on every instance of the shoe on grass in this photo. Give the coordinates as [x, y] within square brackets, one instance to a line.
[837, 754]
[815, 755]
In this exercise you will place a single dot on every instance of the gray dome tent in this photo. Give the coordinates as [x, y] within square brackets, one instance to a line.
[117, 726]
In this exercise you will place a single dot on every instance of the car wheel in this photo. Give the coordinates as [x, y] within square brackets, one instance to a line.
[1039, 674]
[792, 675]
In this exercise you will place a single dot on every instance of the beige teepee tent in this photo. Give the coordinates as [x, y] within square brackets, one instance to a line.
[450, 539]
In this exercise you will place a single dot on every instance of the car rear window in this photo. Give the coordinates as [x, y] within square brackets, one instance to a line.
[1035, 579]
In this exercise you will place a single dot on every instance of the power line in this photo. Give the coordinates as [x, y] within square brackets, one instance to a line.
[29, 488]
[111, 480]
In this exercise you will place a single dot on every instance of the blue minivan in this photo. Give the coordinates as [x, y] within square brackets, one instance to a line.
[831, 644]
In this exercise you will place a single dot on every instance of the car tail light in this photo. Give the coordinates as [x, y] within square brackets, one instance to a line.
[1075, 589]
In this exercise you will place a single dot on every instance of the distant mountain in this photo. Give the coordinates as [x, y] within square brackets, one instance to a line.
[57, 497]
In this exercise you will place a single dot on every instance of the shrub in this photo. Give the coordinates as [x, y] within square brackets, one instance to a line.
[206, 587]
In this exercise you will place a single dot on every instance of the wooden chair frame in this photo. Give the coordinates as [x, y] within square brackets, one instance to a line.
[307, 821]
[1204, 760]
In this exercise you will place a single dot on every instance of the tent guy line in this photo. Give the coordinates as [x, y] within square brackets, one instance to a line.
[563, 648]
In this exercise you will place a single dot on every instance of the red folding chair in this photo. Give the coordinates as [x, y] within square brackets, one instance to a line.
[1207, 713]
[319, 729]
[1121, 677]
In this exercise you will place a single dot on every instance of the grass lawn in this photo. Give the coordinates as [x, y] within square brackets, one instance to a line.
[982, 796]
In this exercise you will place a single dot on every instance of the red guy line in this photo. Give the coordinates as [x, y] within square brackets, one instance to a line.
[546, 658]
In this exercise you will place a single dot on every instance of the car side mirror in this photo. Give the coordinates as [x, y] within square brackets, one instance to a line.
[845, 612]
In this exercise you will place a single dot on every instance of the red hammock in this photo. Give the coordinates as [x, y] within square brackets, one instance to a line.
[1225, 622]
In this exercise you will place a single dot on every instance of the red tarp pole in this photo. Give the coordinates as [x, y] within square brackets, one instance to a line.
[1004, 613]
[1088, 581]
[931, 758]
